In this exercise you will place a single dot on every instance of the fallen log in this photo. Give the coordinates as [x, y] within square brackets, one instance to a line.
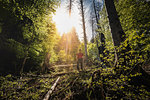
[51, 90]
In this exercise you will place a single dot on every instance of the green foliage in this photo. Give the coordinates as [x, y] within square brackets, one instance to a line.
[94, 85]
[109, 46]
[69, 44]
[12, 87]
[123, 81]
[27, 32]
[92, 53]
[62, 56]
[105, 28]
[72, 86]
[134, 17]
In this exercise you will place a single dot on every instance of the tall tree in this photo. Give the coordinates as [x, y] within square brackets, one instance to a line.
[70, 7]
[92, 24]
[101, 48]
[115, 26]
[84, 28]
[74, 43]
[114, 22]
[69, 43]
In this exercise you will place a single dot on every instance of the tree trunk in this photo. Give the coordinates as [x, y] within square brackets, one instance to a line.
[101, 35]
[115, 26]
[114, 22]
[24, 61]
[46, 62]
[93, 40]
[51, 90]
[70, 7]
[84, 30]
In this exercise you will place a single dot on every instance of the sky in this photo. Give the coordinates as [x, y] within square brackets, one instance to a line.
[64, 23]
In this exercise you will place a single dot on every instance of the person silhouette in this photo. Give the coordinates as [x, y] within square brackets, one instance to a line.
[79, 60]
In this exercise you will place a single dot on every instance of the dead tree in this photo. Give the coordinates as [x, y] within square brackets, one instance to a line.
[51, 90]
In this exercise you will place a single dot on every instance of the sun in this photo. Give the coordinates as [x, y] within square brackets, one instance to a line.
[63, 21]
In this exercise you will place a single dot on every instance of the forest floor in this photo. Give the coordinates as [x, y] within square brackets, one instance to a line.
[71, 84]
[68, 84]
[36, 86]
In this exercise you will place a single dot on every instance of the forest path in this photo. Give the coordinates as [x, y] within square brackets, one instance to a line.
[60, 70]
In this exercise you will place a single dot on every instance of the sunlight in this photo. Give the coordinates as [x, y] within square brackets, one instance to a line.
[64, 23]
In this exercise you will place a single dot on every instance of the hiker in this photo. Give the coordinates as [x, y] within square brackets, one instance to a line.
[80, 60]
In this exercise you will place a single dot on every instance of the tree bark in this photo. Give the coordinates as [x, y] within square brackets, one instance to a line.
[114, 22]
[115, 26]
[93, 40]
[46, 62]
[84, 30]
[70, 7]
[101, 35]
[24, 61]
[51, 90]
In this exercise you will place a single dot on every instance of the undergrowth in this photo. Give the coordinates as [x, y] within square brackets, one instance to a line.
[31, 88]
[100, 84]
[96, 84]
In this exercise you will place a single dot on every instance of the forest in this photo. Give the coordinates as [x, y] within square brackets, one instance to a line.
[74, 49]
